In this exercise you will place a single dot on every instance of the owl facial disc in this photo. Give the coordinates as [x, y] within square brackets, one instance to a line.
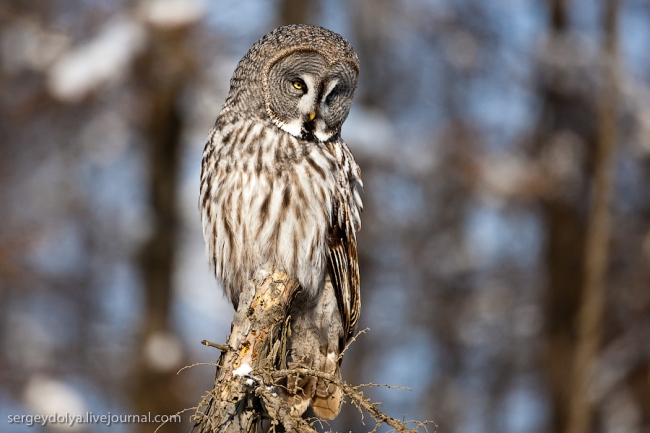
[309, 97]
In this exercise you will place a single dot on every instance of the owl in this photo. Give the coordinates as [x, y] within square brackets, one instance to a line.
[280, 190]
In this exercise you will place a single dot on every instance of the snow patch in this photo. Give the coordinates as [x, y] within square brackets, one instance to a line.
[243, 370]
[104, 59]
[45, 395]
[163, 351]
[173, 13]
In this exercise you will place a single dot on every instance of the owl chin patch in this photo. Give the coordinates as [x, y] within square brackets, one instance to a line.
[294, 127]
[322, 136]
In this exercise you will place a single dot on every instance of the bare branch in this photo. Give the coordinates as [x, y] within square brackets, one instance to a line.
[222, 347]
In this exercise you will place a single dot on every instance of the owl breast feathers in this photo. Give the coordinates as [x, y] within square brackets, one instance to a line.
[280, 189]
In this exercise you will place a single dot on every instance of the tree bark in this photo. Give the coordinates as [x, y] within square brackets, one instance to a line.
[242, 401]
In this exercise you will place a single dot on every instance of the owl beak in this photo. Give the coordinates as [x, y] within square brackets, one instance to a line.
[312, 115]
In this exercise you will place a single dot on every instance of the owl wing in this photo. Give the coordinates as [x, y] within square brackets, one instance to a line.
[342, 257]
[344, 273]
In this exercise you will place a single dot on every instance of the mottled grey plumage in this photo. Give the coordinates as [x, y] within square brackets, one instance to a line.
[280, 189]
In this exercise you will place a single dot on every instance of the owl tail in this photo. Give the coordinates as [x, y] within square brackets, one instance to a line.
[327, 399]
[324, 398]
[298, 393]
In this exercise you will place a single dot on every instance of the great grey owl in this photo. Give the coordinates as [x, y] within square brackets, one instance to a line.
[280, 189]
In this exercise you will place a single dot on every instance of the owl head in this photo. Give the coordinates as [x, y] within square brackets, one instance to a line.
[301, 77]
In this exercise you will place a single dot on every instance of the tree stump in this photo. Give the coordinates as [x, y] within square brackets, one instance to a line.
[243, 398]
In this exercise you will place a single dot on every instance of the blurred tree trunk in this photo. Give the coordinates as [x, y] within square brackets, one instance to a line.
[366, 350]
[639, 382]
[590, 318]
[161, 72]
[295, 12]
[563, 112]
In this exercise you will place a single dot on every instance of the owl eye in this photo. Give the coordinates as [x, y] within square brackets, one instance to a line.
[333, 94]
[300, 85]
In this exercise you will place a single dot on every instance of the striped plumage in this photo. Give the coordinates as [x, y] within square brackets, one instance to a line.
[280, 189]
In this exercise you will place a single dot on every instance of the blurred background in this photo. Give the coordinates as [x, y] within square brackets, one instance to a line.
[476, 126]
